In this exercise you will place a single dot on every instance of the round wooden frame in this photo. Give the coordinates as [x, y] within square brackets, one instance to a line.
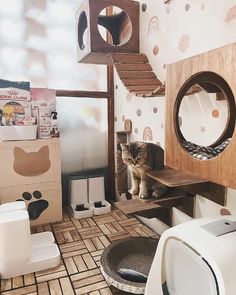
[218, 81]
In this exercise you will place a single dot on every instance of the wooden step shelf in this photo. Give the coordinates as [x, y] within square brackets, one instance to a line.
[137, 75]
[174, 178]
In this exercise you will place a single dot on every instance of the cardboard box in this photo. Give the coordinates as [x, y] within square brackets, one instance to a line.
[43, 200]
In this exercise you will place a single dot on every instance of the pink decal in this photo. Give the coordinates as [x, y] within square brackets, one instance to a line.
[231, 14]
[147, 134]
[184, 43]
[129, 96]
[203, 6]
[155, 49]
[153, 25]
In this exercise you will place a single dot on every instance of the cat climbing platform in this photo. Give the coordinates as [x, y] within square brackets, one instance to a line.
[121, 48]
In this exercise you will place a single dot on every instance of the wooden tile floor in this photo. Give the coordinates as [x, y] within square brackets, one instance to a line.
[81, 243]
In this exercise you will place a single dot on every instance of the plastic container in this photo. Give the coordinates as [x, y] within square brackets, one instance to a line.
[18, 132]
[97, 196]
[79, 199]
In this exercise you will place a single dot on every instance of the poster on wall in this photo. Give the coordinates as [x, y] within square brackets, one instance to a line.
[15, 102]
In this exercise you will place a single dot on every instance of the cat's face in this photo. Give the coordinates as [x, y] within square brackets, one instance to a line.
[31, 163]
[134, 154]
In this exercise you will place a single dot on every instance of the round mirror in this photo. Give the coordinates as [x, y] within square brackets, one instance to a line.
[118, 25]
[205, 115]
[82, 30]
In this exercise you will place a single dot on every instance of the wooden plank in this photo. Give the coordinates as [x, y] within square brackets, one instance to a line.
[66, 286]
[133, 67]
[129, 58]
[136, 75]
[43, 289]
[147, 88]
[132, 206]
[54, 287]
[138, 82]
[174, 178]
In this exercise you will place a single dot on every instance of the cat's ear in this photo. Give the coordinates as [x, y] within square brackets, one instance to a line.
[18, 152]
[124, 146]
[142, 145]
[44, 150]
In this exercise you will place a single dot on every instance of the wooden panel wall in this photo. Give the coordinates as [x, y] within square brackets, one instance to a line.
[221, 169]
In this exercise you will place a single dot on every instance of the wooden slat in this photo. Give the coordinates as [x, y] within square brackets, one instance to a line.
[138, 82]
[133, 67]
[129, 58]
[136, 75]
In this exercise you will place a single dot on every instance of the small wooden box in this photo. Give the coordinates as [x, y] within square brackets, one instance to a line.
[93, 48]
[43, 200]
[28, 162]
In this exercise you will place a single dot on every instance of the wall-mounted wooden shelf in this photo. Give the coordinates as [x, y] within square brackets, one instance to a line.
[174, 178]
[137, 75]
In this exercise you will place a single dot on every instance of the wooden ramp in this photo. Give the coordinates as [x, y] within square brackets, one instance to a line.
[137, 75]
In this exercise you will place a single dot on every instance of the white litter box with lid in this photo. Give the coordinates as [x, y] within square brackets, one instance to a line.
[197, 257]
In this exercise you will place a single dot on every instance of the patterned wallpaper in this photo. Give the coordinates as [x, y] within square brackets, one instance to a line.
[168, 33]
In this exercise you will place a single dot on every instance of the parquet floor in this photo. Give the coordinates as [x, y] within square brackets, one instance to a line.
[81, 243]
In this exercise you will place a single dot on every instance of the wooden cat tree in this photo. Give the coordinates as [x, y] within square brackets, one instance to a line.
[132, 67]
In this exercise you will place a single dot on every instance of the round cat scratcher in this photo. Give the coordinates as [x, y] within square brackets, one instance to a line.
[126, 263]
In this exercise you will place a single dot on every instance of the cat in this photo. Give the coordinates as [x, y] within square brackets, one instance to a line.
[32, 163]
[140, 158]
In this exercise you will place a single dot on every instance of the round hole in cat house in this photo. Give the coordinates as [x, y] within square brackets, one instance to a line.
[118, 26]
[82, 30]
[126, 263]
[204, 115]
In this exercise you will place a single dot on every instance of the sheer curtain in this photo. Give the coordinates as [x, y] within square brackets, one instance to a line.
[38, 44]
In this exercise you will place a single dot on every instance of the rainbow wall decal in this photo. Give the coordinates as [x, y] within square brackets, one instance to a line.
[153, 25]
[147, 134]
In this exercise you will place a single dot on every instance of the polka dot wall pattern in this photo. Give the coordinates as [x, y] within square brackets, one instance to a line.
[187, 7]
[139, 112]
[184, 42]
[215, 113]
[129, 96]
[155, 110]
[155, 50]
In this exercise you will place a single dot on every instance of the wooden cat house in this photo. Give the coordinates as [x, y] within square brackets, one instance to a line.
[123, 27]
[213, 72]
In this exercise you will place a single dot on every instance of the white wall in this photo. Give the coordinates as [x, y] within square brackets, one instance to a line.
[168, 33]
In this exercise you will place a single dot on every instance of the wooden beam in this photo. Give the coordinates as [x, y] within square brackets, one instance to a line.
[80, 93]
[111, 129]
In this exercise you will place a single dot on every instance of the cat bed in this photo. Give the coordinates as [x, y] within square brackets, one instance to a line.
[205, 152]
[125, 264]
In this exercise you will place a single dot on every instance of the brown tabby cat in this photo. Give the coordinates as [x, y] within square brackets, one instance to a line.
[140, 158]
